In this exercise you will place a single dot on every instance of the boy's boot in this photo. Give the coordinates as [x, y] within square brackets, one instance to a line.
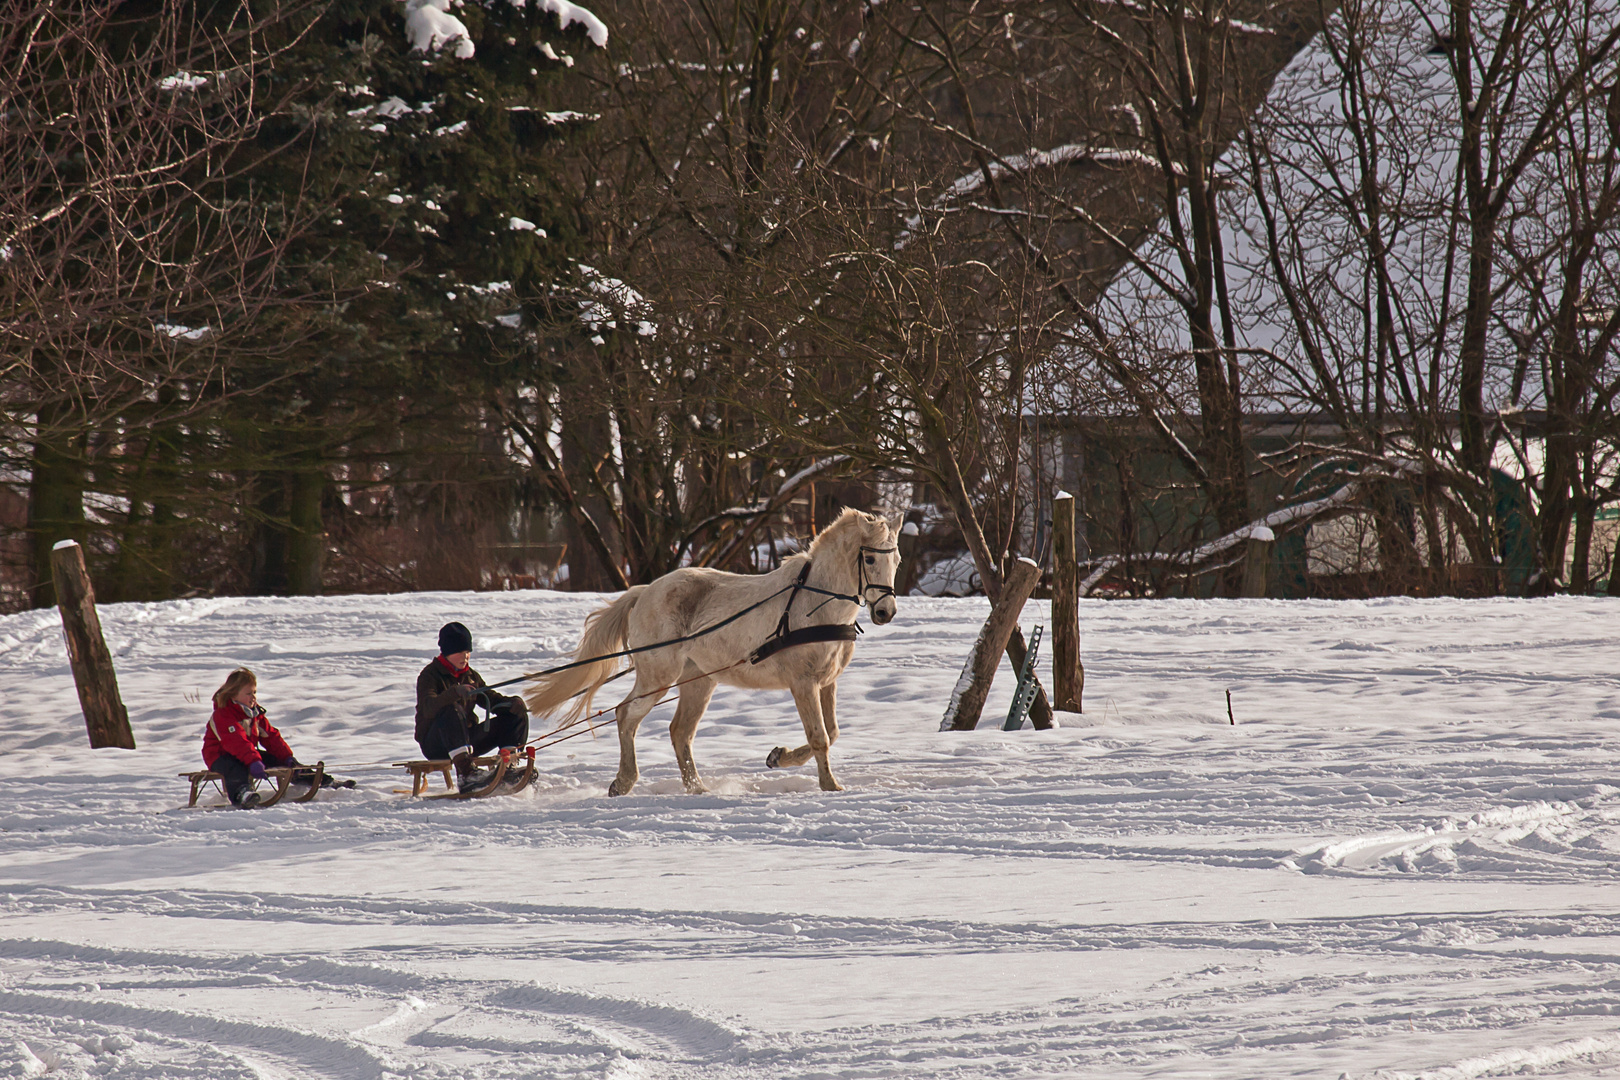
[467, 777]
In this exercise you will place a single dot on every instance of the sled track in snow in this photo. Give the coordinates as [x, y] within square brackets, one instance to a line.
[139, 1013]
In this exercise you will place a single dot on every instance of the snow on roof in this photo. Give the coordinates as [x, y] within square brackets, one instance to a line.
[1039, 159]
[1017, 164]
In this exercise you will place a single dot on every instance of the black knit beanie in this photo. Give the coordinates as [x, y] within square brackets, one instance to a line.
[454, 638]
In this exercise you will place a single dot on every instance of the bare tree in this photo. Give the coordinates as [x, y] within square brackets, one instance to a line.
[136, 275]
[1430, 199]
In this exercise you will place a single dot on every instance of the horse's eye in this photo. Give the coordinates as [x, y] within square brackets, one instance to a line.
[870, 560]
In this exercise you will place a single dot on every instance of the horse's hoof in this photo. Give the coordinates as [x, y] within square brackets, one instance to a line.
[834, 786]
[615, 789]
[697, 788]
[774, 758]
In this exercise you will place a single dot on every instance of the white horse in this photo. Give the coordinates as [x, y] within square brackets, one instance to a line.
[852, 562]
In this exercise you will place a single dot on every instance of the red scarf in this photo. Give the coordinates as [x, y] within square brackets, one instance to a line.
[446, 665]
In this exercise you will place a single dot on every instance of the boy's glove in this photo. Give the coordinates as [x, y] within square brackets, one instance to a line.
[256, 770]
[466, 692]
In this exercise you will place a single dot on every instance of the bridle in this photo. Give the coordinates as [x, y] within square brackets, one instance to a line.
[868, 586]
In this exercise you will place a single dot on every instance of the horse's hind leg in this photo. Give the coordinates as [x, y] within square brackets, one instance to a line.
[630, 715]
[695, 697]
[783, 758]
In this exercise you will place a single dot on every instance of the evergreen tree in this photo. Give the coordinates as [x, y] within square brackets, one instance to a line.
[429, 133]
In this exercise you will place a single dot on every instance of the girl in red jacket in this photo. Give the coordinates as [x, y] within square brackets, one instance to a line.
[240, 741]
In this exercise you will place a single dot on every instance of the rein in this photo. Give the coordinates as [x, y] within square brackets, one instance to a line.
[803, 636]
[728, 620]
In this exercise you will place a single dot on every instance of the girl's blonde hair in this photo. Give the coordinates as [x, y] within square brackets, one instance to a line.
[233, 682]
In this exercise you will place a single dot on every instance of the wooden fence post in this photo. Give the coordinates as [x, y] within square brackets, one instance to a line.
[1257, 562]
[1068, 674]
[105, 717]
[973, 686]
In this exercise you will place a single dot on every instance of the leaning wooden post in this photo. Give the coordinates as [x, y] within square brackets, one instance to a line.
[1257, 562]
[105, 717]
[973, 686]
[1068, 675]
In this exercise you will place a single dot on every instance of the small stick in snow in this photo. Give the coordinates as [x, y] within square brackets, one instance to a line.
[1229, 717]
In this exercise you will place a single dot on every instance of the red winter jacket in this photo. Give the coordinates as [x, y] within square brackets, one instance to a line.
[236, 731]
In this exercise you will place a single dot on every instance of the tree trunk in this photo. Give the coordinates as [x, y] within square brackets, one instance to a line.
[586, 442]
[967, 700]
[1580, 563]
[305, 545]
[1614, 569]
[267, 552]
[55, 499]
[961, 504]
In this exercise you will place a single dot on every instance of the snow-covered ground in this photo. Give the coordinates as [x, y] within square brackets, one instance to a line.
[1403, 860]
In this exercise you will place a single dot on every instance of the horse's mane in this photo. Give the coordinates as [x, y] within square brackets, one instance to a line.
[850, 518]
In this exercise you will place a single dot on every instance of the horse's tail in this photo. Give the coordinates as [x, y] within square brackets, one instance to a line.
[569, 693]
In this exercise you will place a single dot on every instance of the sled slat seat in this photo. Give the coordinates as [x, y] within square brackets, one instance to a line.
[283, 775]
[421, 771]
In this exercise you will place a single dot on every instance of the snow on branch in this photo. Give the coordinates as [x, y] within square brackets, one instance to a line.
[430, 26]
[616, 298]
[569, 13]
[1262, 529]
[815, 468]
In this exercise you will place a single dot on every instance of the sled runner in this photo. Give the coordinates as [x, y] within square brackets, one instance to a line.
[511, 776]
[284, 776]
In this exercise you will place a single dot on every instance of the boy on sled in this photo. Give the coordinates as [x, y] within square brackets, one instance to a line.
[447, 728]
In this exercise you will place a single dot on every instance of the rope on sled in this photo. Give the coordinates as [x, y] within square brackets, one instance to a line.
[554, 736]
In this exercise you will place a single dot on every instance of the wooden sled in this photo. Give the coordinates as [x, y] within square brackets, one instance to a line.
[512, 775]
[283, 775]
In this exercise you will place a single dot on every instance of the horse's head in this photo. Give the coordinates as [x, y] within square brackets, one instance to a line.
[879, 562]
[866, 544]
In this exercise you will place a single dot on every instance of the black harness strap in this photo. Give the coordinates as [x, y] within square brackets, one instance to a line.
[805, 635]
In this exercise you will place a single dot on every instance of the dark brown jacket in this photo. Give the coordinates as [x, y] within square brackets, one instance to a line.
[436, 688]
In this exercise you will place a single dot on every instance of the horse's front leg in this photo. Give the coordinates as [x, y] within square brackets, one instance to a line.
[695, 697]
[808, 699]
[829, 716]
[783, 758]
[630, 715]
